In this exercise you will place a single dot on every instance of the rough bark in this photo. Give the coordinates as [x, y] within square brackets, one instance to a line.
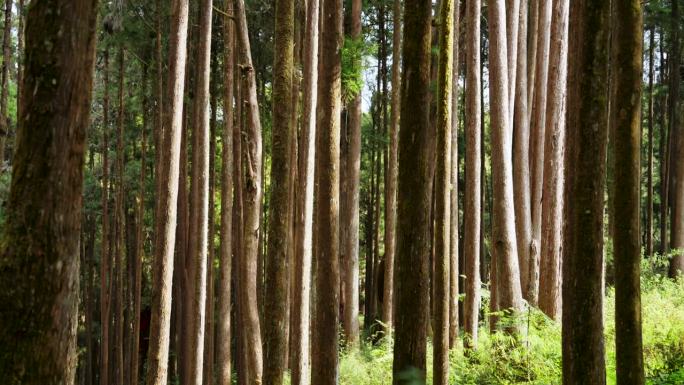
[4, 79]
[119, 257]
[104, 256]
[413, 197]
[440, 371]
[164, 255]
[283, 134]
[552, 201]
[586, 140]
[300, 325]
[454, 267]
[39, 262]
[674, 77]
[677, 263]
[472, 223]
[324, 354]
[649, 171]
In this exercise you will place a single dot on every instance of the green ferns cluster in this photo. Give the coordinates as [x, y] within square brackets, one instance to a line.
[354, 53]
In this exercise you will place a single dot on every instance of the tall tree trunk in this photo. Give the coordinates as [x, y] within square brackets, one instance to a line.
[625, 116]
[413, 198]
[164, 255]
[677, 262]
[104, 256]
[454, 266]
[227, 164]
[443, 196]
[649, 171]
[674, 60]
[277, 266]
[209, 329]
[5, 79]
[305, 191]
[586, 139]
[472, 206]
[252, 194]
[552, 203]
[20, 51]
[40, 320]
[120, 228]
[324, 355]
[537, 137]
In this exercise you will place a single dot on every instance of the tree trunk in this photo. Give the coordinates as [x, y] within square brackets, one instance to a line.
[120, 228]
[227, 164]
[454, 267]
[324, 355]
[625, 111]
[471, 234]
[164, 255]
[46, 197]
[586, 139]
[277, 266]
[413, 198]
[209, 329]
[252, 194]
[300, 325]
[677, 263]
[552, 202]
[5, 78]
[105, 270]
[443, 210]
[649, 171]
[674, 60]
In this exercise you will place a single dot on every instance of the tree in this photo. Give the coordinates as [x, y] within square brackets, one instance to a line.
[454, 267]
[471, 235]
[586, 140]
[104, 255]
[324, 355]
[413, 196]
[625, 116]
[160, 325]
[552, 185]
[442, 274]
[277, 266]
[39, 261]
[5, 79]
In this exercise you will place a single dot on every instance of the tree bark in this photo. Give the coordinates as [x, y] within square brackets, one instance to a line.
[164, 255]
[119, 229]
[39, 261]
[413, 198]
[105, 270]
[649, 171]
[5, 79]
[586, 140]
[454, 267]
[552, 201]
[472, 206]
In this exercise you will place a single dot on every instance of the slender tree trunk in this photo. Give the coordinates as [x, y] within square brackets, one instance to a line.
[443, 197]
[120, 228]
[305, 191]
[552, 202]
[38, 332]
[454, 267]
[586, 139]
[209, 329]
[252, 194]
[531, 42]
[20, 51]
[674, 60]
[227, 164]
[324, 355]
[413, 198]
[104, 256]
[164, 255]
[5, 78]
[512, 30]
[277, 267]
[677, 262]
[472, 206]
[649, 171]
[625, 111]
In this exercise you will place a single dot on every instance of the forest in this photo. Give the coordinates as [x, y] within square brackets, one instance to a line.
[341, 192]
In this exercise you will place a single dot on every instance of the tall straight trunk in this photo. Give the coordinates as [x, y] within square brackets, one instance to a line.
[512, 30]
[159, 128]
[277, 266]
[537, 137]
[200, 204]
[454, 266]
[164, 255]
[677, 262]
[223, 348]
[674, 60]
[120, 227]
[5, 78]
[252, 194]
[531, 42]
[625, 116]
[586, 140]
[473, 188]
[104, 256]
[300, 324]
[414, 197]
[649, 171]
[503, 215]
[443, 194]
[521, 154]
[350, 219]
[392, 171]
[20, 50]
[324, 355]
[662, 149]
[370, 240]
[552, 204]
[209, 328]
[38, 331]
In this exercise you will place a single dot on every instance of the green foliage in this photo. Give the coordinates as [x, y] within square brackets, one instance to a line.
[354, 53]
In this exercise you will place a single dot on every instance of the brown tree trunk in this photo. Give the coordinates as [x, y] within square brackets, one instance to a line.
[105, 270]
[649, 171]
[443, 194]
[300, 325]
[277, 266]
[223, 360]
[552, 202]
[164, 255]
[39, 268]
[472, 205]
[209, 328]
[120, 228]
[677, 262]
[454, 267]
[413, 198]
[5, 78]
[586, 139]
[324, 355]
